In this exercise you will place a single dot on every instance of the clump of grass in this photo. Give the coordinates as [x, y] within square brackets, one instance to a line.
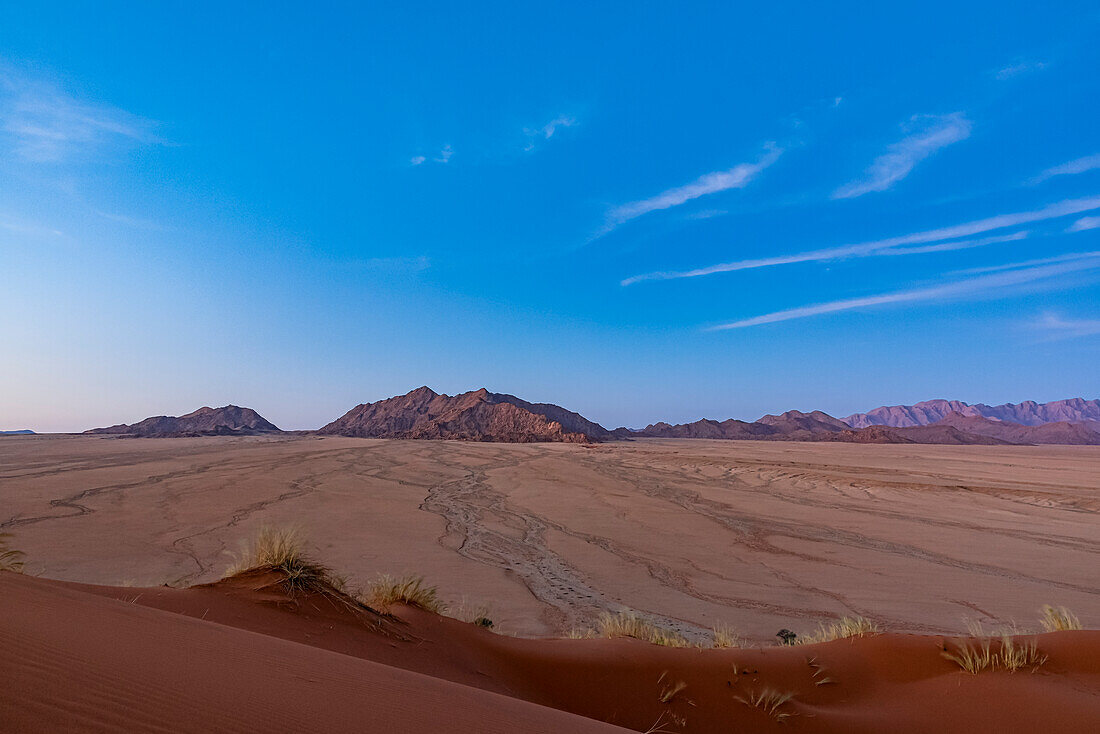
[628, 624]
[1006, 654]
[770, 702]
[723, 636]
[282, 551]
[844, 627]
[385, 591]
[1059, 619]
[10, 559]
[578, 633]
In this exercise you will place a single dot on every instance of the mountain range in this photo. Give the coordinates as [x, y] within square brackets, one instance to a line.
[1027, 413]
[480, 415]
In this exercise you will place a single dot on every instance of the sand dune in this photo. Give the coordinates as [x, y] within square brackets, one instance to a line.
[76, 661]
[759, 536]
[225, 658]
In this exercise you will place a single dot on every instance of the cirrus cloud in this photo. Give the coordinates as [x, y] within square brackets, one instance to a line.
[926, 135]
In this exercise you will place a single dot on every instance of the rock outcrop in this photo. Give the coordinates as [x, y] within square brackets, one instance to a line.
[479, 415]
[229, 420]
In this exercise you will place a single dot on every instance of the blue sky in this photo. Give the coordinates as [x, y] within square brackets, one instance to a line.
[638, 211]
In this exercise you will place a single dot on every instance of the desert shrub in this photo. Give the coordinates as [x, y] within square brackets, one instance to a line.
[628, 624]
[385, 591]
[10, 559]
[1059, 619]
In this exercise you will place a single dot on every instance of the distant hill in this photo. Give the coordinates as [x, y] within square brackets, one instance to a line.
[478, 415]
[790, 426]
[23, 432]
[1027, 413]
[230, 420]
[1062, 432]
[954, 429]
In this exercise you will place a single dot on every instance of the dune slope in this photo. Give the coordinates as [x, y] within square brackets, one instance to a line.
[75, 661]
[224, 657]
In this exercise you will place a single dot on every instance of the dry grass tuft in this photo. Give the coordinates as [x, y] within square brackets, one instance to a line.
[628, 624]
[282, 551]
[845, 627]
[385, 591]
[770, 702]
[1059, 619]
[665, 720]
[10, 559]
[1007, 654]
[670, 692]
[723, 636]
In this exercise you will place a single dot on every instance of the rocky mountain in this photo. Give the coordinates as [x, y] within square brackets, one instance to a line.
[933, 434]
[479, 415]
[23, 432]
[793, 425]
[796, 420]
[230, 420]
[1027, 413]
[1061, 432]
[728, 429]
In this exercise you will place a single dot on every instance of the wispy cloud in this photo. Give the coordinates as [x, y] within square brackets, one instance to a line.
[1071, 168]
[1057, 327]
[28, 228]
[40, 122]
[1083, 224]
[980, 285]
[1022, 67]
[711, 183]
[443, 156]
[864, 249]
[545, 132]
[925, 135]
[1027, 263]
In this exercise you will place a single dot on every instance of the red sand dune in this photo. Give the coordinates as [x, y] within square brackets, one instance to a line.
[228, 658]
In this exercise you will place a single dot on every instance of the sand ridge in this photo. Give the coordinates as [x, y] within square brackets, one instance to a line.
[226, 658]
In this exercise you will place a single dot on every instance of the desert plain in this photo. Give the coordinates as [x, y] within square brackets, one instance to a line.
[754, 536]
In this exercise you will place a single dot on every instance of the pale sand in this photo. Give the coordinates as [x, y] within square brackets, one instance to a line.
[755, 535]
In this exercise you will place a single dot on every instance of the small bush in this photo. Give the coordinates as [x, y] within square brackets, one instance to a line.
[385, 591]
[845, 627]
[628, 624]
[1059, 619]
[10, 559]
